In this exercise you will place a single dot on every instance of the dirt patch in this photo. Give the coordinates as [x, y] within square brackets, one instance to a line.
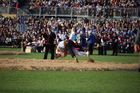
[60, 65]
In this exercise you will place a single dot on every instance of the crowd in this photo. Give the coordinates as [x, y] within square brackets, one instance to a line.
[13, 3]
[77, 30]
[93, 8]
[87, 3]
[96, 8]
[76, 3]
[4, 3]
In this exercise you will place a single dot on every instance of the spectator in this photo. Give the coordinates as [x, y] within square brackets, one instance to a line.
[39, 45]
[104, 44]
[62, 35]
[25, 44]
[115, 44]
[137, 41]
[75, 37]
[98, 44]
[90, 43]
[82, 39]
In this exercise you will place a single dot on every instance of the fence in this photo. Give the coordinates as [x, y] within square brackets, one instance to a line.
[74, 12]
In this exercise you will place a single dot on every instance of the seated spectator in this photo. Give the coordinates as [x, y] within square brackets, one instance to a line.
[39, 45]
[26, 43]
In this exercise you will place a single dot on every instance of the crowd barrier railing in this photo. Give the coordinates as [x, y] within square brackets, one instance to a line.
[77, 12]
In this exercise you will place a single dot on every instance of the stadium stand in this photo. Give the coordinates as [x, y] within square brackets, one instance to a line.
[101, 17]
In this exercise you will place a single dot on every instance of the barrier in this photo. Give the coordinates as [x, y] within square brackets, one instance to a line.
[75, 12]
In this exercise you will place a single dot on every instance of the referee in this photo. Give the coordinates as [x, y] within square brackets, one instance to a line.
[49, 37]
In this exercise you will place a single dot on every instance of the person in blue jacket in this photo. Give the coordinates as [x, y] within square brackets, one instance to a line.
[90, 43]
[82, 39]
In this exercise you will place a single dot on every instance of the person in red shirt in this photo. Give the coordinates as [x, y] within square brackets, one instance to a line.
[17, 5]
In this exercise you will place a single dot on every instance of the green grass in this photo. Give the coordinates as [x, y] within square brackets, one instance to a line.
[13, 81]
[9, 49]
[69, 82]
[121, 58]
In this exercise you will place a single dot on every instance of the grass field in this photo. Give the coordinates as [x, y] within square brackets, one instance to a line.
[13, 81]
[121, 58]
[69, 82]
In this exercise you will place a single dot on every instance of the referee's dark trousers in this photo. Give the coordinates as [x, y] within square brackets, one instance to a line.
[47, 48]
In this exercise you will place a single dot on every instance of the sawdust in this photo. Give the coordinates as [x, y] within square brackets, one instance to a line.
[61, 65]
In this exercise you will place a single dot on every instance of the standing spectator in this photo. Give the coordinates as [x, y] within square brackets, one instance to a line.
[90, 43]
[82, 39]
[72, 34]
[78, 38]
[49, 37]
[104, 44]
[98, 42]
[75, 37]
[115, 44]
[137, 41]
